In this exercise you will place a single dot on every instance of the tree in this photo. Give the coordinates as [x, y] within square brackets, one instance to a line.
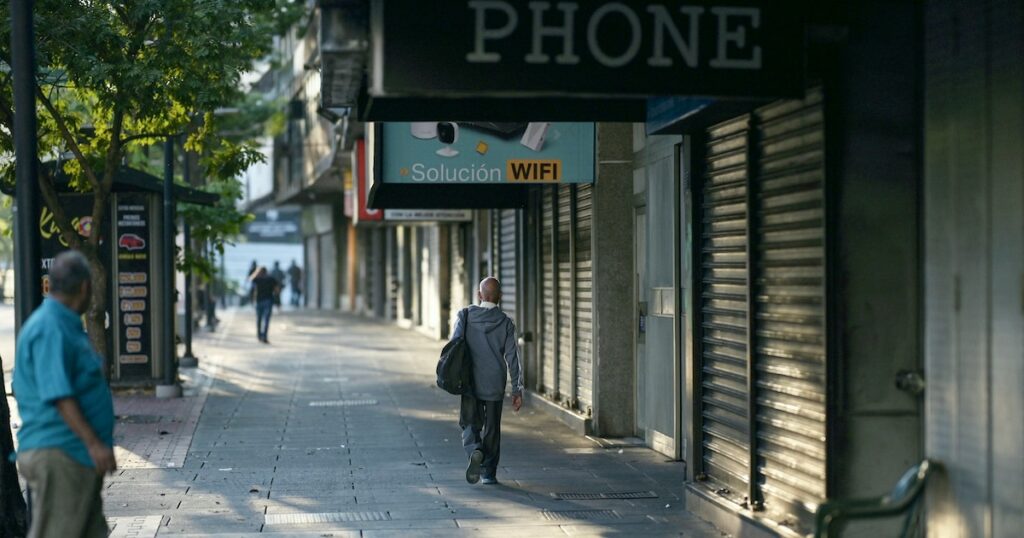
[118, 75]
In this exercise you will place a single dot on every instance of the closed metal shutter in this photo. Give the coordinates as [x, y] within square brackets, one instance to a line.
[547, 321]
[391, 263]
[368, 269]
[762, 375]
[508, 262]
[725, 429]
[566, 369]
[459, 272]
[790, 288]
[584, 298]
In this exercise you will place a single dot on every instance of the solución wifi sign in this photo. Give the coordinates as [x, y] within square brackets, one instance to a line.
[533, 171]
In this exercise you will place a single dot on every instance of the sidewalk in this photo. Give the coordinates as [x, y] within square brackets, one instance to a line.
[336, 429]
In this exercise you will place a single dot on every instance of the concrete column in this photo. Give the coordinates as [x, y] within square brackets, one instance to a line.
[613, 282]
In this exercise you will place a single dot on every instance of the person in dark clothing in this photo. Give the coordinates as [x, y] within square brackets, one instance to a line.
[491, 338]
[252, 271]
[295, 281]
[278, 275]
[264, 289]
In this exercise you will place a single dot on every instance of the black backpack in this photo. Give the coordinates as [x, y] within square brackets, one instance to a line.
[455, 368]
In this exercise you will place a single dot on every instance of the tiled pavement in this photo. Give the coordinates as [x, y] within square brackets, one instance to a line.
[336, 430]
[155, 434]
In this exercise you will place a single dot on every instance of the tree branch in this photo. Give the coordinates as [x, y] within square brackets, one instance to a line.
[68, 137]
[110, 169]
[141, 136]
[60, 217]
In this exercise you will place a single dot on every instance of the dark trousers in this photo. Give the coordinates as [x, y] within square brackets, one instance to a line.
[480, 421]
[263, 310]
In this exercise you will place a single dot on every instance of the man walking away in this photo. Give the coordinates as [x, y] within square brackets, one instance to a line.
[264, 289]
[278, 275]
[492, 343]
[295, 281]
[67, 435]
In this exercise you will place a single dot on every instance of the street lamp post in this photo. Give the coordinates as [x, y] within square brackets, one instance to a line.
[170, 387]
[188, 360]
[28, 272]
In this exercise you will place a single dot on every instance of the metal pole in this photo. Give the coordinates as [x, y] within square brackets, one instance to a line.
[170, 387]
[211, 304]
[222, 289]
[189, 359]
[28, 274]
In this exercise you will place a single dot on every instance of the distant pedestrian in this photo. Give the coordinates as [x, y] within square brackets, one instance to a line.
[252, 270]
[492, 343]
[278, 275]
[295, 281]
[264, 289]
[66, 439]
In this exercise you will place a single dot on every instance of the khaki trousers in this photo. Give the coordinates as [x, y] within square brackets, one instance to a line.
[66, 500]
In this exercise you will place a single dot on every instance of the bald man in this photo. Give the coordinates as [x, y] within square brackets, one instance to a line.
[491, 337]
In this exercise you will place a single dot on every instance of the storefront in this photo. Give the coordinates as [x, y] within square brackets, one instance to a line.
[721, 291]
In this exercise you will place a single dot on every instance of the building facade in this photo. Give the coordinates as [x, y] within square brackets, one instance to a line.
[796, 296]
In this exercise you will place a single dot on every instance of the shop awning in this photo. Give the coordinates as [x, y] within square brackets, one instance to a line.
[132, 180]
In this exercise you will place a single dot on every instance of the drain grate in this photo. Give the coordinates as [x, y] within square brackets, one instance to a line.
[341, 403]
[324, 517]
[580, 496]
[575, 515]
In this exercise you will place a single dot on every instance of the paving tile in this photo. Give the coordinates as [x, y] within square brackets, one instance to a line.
[256, 448]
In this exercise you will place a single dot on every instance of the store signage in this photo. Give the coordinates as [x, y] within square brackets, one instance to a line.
[477, 153]
[428, 215]
[133, 292]
[363, 212]
[274, 226]
[719, 48]
[78, 208]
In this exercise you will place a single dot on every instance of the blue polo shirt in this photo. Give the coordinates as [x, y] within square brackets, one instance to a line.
[55, 360]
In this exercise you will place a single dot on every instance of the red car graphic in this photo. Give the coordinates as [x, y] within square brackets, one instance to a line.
[131, 242]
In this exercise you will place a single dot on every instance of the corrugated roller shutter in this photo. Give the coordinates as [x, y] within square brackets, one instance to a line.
[508, 262]
[459, 273]
[725, 443]
[789, 355]
[584, 297]
[368, 269]
[394, 286]
[548, 326]
[566, 373]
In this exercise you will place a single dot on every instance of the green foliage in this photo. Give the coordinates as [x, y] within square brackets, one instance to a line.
[118, 76]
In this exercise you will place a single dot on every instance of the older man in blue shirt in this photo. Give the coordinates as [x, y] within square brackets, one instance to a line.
[65, 444]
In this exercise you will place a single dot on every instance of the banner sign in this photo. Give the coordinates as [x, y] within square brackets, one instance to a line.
[594, 48]
[486, 153]
[428, 215]
[133, 292]
[274, 226]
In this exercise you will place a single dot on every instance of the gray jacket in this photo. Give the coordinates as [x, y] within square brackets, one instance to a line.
[492, 342]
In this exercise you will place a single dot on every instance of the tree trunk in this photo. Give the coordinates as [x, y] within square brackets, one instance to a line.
[13, 515]
[95, 318]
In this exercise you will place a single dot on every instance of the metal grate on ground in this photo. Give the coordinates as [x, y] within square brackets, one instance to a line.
[324, 517]
[581, 496]
[577, 515]
[341, 403]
